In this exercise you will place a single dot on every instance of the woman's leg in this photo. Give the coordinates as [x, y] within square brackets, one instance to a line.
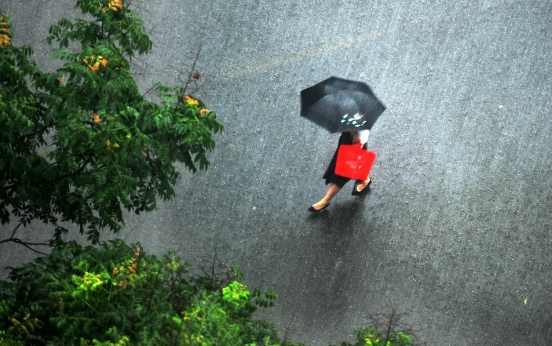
[362, 185]
[332, 191]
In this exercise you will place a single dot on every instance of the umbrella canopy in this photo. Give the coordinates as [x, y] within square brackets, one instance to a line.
[341, 105]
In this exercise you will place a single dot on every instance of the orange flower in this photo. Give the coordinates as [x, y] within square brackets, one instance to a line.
[5, 30]
[63, 80]
[116, 145]
[203, 111]
[113, 5]
[115, 271]
[95, 62]
[146, 155]
[138, 252]
[191, 101]
[108, 143]
[4, 39]
[96, 117]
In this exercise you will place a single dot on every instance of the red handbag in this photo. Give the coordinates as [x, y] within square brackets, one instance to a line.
[353, 162]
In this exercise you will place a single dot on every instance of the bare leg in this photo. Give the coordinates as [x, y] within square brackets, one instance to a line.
[361, 186]
[332, 191]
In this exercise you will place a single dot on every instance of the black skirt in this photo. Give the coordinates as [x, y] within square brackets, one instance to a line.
[330, 176]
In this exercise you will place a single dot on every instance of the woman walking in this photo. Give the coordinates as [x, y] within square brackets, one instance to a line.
[337, 181]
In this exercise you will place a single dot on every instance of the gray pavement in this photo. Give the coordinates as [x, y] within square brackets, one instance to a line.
[456, 229]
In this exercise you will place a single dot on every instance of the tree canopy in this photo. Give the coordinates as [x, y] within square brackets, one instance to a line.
[81, 144]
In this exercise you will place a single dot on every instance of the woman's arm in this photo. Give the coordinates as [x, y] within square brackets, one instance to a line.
[363, 136]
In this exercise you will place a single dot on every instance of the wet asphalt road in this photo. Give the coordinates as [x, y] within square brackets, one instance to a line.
[455, 232]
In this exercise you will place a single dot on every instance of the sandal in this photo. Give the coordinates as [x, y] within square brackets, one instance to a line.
[312, 210]
[357, 192]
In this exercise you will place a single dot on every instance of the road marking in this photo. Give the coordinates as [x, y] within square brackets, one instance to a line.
[290, 58]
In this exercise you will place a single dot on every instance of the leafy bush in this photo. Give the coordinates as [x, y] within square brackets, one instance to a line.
[372, 337]
[119, 294]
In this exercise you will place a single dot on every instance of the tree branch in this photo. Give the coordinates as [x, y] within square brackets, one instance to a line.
[17, 240]
[30, 248]
[37, 131]
[389, 326]
[70, 174]
[156, 25]
[14, 230]
[148, 91]
[57, 162]
[192, 70]
[25, 244]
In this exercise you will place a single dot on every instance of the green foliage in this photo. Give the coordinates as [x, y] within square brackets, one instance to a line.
[81, 143]
[15, 331]
[372, 337]
[118, 295]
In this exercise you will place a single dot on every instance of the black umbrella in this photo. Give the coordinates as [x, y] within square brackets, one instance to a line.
[341, 105]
